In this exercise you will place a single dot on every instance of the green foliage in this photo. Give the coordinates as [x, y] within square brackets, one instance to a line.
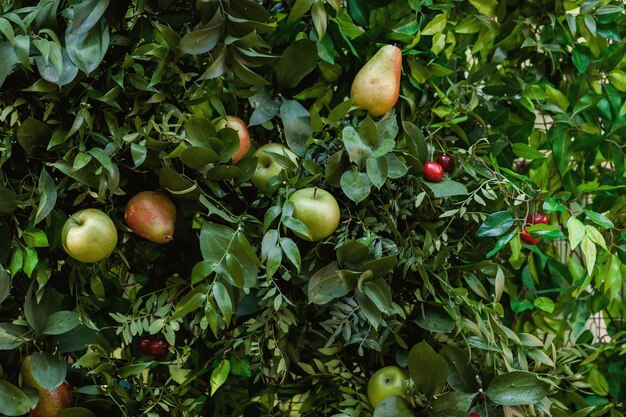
[102, 99]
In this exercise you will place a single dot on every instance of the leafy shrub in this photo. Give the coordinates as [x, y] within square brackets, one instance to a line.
[102, 99]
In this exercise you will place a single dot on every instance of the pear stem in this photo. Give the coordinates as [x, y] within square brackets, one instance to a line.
[314, 191]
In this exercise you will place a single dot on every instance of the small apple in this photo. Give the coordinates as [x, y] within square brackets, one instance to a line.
[267, 166]
[537, 218]
[242, 131]
[528, 238]
[89, 235]
[152, 215]
[318, 210]
[386, 382]
[433, 171]
[446, 161]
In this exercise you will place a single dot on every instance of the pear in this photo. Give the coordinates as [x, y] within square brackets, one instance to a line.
[241, 127]
[152, 215]
[50, 401]
[377, 85]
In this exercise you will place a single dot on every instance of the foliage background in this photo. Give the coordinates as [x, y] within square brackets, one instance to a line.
[101, 99]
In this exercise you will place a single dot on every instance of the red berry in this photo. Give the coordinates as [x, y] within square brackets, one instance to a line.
[158, 347]
[144, 343]
[528, 238]
[433, 171]
[446, 161]
[474, 415]
[537, 218]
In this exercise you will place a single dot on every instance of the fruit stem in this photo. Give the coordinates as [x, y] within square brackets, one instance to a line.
[314, 191]
[78, 222]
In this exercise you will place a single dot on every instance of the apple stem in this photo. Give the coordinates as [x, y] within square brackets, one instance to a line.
[314, 191]
[75, 220]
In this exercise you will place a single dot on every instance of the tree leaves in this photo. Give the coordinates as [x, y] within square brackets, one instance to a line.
[429, 371]
[517, 388]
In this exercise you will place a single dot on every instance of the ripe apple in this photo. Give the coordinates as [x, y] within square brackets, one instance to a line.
[433, 171]
[242, 131]
[152, 215]
[318, 210]
[158, 347]
[446, 161]
[528, 238]
[267, 166]
[386, 382]
[89, 235]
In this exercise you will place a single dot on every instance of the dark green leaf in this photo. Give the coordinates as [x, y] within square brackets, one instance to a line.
[61, 322]
[48, 371]
[447, 188]
[434, 319]
[429, 371]
[393, 406]
[496, 224]
[296, 121]
[47, 197]
[87, 49]
[517, 388]
[13, 401]
[325, 285]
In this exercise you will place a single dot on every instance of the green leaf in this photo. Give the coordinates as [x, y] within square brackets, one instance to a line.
[8, 59]
[379, 292]
[87, 15]
[48, 371]
[485, 7]
[436, 25]
[47, 197]
[13, 401]
[377, 170]
[296, 121]
[325, 285]
[358, 150]
[299, 9]
[223, 300]
[61, 322]
[203, 40]
[8, 201]
[296, 225]
[86, 50]
[598, 382]
[453, 401]
[234, 270]
[296, 62]
[599, 219]
[589, 251]
[428, 369]
[33, 133]
[75, 412]
[36, 238]
[517, 388]
[5, 284]
[199, 132]
[191, 302]
[370, 310]
[12, 336]
[496, 224]
[393, 406]
[434, 319]
[219, 375]
[447, 188]
[575, 231]
[290, 249]
[461, 374]
[524, 151]
[557, 98]
[197, 157]
[544, 303]
[356, 185]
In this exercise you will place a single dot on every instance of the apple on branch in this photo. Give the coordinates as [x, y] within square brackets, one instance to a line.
[385, 382]
[89, 235]
[267, 166]
[318, 210]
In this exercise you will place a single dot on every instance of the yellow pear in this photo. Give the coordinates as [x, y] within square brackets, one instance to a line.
[377, 85]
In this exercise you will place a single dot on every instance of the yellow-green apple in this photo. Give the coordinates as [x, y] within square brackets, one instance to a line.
[385, 382]
[318, 210]
[89, 235]
[240, 126]
[267, 165]
[152, 215]
[377, 84]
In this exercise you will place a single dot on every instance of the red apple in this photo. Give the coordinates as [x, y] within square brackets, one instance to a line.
[446, 161]
[158, 347]
[433, 171]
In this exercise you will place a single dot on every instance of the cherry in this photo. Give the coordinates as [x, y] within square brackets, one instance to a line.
[528, 238]
[144, 342]
[158, 347]
[537, 218]
[474, 415]
[446, 161]
[433, 171]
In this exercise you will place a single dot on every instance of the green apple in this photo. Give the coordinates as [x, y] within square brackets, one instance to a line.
[89, 235]
[241, 127]
[386, 382]
[267, 166]
[318, 210]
